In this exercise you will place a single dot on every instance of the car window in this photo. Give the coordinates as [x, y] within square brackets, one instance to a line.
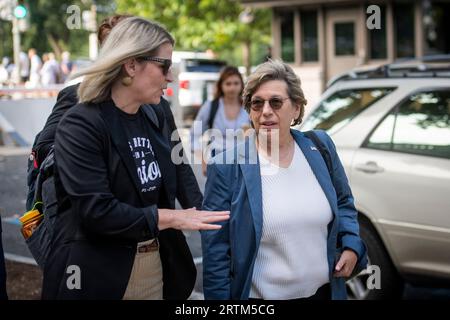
[381, 137]
[419, 125]
[341, 107]
[204, 65]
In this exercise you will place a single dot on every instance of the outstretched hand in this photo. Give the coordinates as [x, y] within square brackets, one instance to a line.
[191, 219]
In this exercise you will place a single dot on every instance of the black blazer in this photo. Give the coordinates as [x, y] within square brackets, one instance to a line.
[188, 192]
[102, 214]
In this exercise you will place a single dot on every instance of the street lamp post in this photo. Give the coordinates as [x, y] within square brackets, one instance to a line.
[16, 50]
[7, 12]
[10, 10]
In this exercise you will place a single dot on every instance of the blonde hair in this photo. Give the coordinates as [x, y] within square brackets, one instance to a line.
[130, 38]
[276, 70]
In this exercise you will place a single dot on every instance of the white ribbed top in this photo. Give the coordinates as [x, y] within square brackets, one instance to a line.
[292, 258]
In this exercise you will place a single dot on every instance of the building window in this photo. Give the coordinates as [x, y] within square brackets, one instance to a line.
[436, 22]
[404, 29]
[287, 36]
[378, 47]
[310, 48]
[344, 39]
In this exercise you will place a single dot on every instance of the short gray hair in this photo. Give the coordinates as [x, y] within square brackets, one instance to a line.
[276, 70]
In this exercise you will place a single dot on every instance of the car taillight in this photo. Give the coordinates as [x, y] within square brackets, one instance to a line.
[184, 84]
[169, 92]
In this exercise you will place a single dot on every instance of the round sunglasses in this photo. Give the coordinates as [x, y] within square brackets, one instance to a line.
[275, 103]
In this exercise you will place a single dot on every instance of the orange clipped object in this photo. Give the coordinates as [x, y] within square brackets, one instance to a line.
[30, 221]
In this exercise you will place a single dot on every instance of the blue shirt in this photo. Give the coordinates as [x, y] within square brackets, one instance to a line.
[220, 123]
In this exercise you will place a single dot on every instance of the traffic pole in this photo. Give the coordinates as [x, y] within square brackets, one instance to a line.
[16, 48]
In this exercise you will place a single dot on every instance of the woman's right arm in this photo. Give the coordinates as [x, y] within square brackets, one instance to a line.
[80, 163]
[216, 243]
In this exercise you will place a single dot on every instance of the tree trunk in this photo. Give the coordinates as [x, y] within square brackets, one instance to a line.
[246, 56]
[57, 50]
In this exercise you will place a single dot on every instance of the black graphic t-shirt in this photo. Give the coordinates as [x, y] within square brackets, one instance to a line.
[147, 168]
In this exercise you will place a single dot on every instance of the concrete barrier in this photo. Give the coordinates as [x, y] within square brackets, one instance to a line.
[21, 120]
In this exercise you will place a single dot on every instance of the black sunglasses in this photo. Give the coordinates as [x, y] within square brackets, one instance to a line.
[165, 63]
[275, 103]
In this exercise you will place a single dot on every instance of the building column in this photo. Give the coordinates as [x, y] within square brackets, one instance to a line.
[363, 36]
[297, 38]
[418, 30]
[321, 33]
[276, 35]
[390, 29]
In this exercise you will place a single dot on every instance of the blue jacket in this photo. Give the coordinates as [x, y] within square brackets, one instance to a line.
[234, 183]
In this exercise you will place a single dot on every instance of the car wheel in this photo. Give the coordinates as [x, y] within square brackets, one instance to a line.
[391, 285]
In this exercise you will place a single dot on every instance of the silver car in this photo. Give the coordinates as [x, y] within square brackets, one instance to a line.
[391, 127]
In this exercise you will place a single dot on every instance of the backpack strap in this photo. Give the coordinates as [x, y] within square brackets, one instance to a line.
[213, 112]
[155, 115]
[323, 151]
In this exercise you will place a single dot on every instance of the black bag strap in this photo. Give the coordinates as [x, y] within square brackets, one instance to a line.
[154, 113]
[213, 112]
[323, 151]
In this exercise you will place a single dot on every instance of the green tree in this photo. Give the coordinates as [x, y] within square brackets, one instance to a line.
[48, 29]
[207, 24]
[6, 47]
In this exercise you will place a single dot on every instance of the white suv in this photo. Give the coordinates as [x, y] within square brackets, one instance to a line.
[195, 76]
[391, 127]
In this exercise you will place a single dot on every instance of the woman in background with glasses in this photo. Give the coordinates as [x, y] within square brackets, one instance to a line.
[117, 234]
[293, 229]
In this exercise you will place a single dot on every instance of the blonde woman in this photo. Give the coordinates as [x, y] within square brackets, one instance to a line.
[117, 235]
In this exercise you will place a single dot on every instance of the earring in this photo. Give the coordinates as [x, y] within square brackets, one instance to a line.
[127, 81]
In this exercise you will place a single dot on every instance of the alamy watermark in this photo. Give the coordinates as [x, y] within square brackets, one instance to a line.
[374, 20]
[74, 279]
[373, 282]
[73, 21]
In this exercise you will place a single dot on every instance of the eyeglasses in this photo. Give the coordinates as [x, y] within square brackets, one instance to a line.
[165, 63]
[275, 103]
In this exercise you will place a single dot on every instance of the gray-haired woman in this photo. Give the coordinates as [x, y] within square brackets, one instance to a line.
[117, 232]
[289, 218]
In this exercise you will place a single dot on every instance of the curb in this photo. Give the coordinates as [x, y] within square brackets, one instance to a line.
[20, 259]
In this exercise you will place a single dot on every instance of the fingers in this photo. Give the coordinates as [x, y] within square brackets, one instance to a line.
[339, 265]
[205, 226]
[343, 273]
[345, 265]
[211, 214]
[215, 219]
[191, 219]
[208, 217]
[208, 213]
[340, 268]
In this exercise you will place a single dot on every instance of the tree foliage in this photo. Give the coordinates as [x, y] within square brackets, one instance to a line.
[204, 24]
[48, 30]
[196, 25]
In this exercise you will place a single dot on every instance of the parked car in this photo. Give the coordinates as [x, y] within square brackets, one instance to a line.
[391, 127]
[195, 76]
